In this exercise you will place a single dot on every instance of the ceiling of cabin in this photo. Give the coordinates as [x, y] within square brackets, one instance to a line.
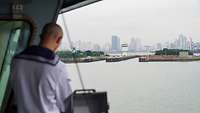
[40, 12]
[74, 4]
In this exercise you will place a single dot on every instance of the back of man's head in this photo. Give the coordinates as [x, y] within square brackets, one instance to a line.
[50, 30]
[51, 36]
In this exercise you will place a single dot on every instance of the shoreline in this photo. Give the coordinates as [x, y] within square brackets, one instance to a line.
[83, 60]
[168, 58]
[142, 58]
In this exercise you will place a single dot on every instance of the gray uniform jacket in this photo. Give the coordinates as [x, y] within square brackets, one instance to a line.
[40, 82]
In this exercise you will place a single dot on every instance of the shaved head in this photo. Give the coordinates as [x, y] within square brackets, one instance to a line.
[51, 36]
[50, 30]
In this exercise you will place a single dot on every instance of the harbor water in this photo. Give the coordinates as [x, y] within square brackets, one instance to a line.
[144, 87]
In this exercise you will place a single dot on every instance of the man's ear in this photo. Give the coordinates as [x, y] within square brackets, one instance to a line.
[58, 40]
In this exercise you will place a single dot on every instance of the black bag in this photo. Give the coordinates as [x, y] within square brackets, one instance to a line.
[90, 101]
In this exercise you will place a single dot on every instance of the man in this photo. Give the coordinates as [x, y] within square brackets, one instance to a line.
[40, 79]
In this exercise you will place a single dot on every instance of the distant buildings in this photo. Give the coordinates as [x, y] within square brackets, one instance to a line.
[158, 46]
[182, 42]
[166, 44]
[85, 46]
[148, 48]
[106, 47]
[135, 45]
[124, 48]
[96, 47]
[172, 45]
[115, 44]
[196, 45]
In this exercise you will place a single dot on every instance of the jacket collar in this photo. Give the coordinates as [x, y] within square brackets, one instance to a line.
[40, 51]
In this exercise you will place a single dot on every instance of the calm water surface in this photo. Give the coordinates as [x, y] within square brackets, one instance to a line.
[149, 87]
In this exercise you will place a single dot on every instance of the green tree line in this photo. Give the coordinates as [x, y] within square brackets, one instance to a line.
[171, 52]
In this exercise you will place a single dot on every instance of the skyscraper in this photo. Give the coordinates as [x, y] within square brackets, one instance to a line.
[116, 44]
[182, 42]
[135, 45]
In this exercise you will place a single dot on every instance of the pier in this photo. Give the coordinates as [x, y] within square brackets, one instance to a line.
[121, 58]
[168, 58]
[94, 59]
[83, 60]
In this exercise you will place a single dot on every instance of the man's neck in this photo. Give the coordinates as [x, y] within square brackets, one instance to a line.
[48, 47]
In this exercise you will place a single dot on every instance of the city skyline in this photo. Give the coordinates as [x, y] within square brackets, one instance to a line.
[152, 21]
[136, 44]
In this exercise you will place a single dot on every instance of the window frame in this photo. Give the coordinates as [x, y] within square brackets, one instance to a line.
[7, 93]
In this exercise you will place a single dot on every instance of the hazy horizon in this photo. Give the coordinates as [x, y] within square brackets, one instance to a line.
[152, 21]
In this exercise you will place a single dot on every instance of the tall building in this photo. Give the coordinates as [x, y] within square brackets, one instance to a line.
[135, 45]
[182, 42]
[116, 44]
[106, 47]
[158, 46]
[96, 47]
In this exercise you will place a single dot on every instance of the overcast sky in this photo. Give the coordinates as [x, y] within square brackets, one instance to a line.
[151, 20]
